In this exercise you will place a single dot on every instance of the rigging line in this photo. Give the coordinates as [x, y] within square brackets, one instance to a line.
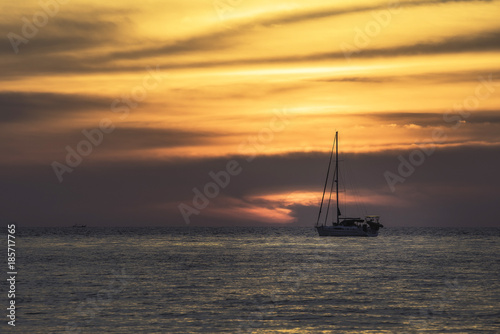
[330, 198]
[337, 174]
[326, 182]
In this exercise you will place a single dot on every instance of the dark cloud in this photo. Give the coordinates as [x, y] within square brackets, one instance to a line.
[327, 12]
[67, 31]
[436, 78]
[58, 47]
[47, 145]
[433, 118]
[486, 117]
[354, 79]
[208, 42]
[147, 138]
[32, 106]
[64, 43]
[442, 191]
[481, 42]
[218, 40]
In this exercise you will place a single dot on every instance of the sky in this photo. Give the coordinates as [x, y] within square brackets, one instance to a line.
[223, 112]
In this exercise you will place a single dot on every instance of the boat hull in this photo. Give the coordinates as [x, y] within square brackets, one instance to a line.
[345, 231]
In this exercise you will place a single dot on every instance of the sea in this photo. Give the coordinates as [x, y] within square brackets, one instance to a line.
[253, 280]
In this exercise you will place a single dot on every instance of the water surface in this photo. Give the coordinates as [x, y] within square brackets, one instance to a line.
[256, 280]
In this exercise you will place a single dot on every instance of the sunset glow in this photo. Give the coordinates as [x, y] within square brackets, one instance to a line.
[198, 83]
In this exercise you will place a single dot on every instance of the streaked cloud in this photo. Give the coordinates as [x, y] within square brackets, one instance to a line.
[269, 81]
[31, 106]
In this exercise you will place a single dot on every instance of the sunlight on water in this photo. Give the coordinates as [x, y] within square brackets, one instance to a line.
[259, 280]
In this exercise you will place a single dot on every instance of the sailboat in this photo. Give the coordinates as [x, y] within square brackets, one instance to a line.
[343, 226]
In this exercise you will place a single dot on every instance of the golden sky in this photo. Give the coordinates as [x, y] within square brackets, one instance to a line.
[215, 79]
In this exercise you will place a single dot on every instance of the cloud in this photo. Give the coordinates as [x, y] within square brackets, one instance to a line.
[232, 209]
[145, 192]
[70, 30]
[133, 138]
[212, 41]
[433, 119]
[124, 183]
[325, 12]
[481, 42]
[71, 43]
[354, 79]
[434, 77]
[65, 43]
[34, 106]
[219, 40]
[47, 144]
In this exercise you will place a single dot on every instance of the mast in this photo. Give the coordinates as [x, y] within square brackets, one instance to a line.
[337, 171]
[326, 183]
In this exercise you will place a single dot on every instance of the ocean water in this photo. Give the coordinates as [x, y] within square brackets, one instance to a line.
[254, 280]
